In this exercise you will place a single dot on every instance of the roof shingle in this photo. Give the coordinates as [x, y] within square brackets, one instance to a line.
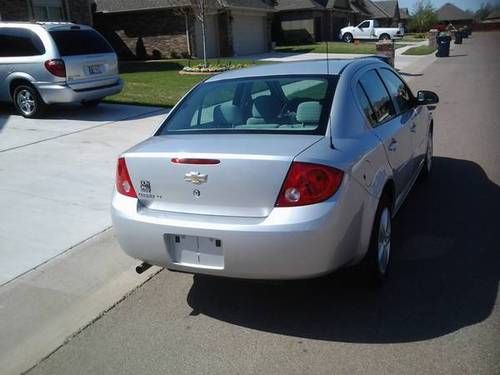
[450, 12]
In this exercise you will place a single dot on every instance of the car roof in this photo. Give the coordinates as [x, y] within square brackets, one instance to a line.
[49, 26]
[309, 67]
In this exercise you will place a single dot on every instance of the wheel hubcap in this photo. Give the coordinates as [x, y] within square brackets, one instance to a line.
[384, 241]
[26, 102]
[429, 154]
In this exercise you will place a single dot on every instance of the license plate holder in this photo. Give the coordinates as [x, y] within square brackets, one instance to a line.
[195, 251]
[95, 69]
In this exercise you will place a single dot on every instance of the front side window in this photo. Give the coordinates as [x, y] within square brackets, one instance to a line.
[255, 105]
[364, 25]
[398, 90]
[80, 42]
[17, 42]
[377, 95]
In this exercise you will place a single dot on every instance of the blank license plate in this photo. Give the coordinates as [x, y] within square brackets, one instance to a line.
[195, 251]
[95, 69]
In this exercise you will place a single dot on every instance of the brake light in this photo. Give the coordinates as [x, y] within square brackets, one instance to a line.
[308, 183]
[194, 161]
[123, 182]
[56, 67]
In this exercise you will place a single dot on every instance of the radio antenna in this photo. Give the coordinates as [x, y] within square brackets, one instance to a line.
[327, 62]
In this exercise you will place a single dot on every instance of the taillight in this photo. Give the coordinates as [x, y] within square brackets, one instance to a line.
[56, 67]
[308, 183]
[123, 181]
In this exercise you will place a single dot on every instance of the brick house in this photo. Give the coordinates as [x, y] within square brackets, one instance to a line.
[305, 21]
[450, 13]
[168, 28]
[385, 12]
[78, 11]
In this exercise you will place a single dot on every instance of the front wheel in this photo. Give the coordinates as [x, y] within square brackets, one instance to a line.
[28, 102]
[377, 260]
[348, 38]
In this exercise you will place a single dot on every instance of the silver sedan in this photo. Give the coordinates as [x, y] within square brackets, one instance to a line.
[279, 171]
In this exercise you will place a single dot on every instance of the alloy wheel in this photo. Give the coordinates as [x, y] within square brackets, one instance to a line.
[26, 102]
[384, 241]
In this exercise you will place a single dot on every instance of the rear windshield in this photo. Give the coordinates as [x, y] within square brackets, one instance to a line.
[291, 105]
[80, 42]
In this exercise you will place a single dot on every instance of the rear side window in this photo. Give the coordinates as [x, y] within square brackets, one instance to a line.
[80, 42]
[398, 90]
[18, 42]
[365, 104]
[377, 95]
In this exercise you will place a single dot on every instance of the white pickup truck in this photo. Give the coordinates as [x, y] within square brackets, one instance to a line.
[369, 30]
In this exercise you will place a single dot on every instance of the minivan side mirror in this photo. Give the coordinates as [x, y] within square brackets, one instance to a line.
[425, 97]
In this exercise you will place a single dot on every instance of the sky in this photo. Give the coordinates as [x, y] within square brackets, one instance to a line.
[464, 4]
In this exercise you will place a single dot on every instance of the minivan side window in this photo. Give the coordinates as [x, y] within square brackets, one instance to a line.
[18, 42]
[377, 95]
[398, 90]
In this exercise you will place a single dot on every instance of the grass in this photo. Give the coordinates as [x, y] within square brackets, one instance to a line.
[367, 48]
[157, 83]
[414, 37]
[419, 51]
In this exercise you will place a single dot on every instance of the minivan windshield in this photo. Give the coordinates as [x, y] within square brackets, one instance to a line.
[277, 104]
[80, 42]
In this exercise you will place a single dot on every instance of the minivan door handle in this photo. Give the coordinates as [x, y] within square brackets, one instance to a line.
[393, 145]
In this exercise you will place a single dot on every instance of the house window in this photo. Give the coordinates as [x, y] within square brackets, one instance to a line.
[48, 10]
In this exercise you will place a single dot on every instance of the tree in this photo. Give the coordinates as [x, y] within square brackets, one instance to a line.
[484, 11]
[200, 8]
[424, 16]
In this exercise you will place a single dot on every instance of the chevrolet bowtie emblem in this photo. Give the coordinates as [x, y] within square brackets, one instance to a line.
[195, 178]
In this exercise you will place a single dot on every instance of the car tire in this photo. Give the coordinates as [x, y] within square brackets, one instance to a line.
[377, 260]
[28, 101]
[426, 170]
[91, 103]
[385, 37]
[348, 38]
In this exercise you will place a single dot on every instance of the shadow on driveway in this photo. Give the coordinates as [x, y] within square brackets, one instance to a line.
[444, 274]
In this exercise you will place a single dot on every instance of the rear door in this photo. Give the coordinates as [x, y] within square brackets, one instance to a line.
[388, 126]
[90, 61]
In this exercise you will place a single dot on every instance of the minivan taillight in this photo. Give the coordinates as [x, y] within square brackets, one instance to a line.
[123, 182]
[56, 67]
[308, 183]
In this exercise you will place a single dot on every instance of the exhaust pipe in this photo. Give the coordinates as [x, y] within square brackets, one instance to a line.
[143, 267]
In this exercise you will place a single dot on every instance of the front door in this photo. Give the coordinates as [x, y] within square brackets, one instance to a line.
[363, 31]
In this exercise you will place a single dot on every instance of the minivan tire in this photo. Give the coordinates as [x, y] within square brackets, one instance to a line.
[28, 101]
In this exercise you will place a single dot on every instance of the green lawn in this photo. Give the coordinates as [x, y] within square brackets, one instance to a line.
[367, 48]
[157, 83]
[420, 50]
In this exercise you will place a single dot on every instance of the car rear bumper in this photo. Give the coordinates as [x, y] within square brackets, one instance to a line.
[61, 93]
[290, 243]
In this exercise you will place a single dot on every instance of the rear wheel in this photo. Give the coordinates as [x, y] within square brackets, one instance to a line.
[385, 37]
[348, 38]
[28, 102]
[377, 259]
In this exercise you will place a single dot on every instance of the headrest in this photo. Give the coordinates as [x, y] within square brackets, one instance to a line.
[266, 106]
[227, 113]
[308, 112]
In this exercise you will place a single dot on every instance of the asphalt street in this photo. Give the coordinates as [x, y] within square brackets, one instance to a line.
[438, 313]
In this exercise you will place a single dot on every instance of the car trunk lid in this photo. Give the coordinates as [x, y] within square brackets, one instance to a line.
[243, 179]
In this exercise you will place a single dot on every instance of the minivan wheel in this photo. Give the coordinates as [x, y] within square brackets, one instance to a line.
[28, 102]
[378, 257]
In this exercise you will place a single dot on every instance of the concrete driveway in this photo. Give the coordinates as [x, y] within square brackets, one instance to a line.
[57, 175]
[439, 313]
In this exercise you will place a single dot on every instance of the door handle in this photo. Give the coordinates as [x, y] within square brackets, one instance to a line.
[393, 145]
[413, 128]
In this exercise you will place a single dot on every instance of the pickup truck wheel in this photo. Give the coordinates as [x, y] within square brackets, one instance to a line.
[385, 37]
[348, 38]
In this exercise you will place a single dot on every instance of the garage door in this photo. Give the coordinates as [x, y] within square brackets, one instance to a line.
[249, 35]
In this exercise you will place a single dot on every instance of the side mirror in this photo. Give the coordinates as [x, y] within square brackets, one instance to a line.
[425, 97]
